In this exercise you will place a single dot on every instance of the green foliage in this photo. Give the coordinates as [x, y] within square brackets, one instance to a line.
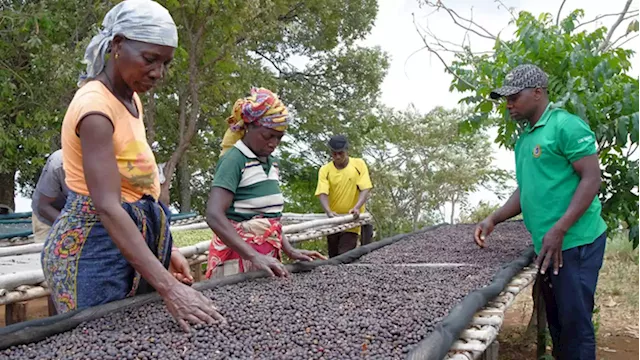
[299, 182]
[260, 45]
[225, 48]
[421, 162]
[587, 77]
[190, 237]
[41, 43]
[478, 213]
[595, 319]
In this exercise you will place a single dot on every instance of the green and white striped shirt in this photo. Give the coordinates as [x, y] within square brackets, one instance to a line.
[255, 184]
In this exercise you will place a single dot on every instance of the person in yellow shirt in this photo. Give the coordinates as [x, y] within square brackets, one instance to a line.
[343, 188]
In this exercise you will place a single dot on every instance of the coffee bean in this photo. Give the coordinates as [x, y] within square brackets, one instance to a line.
[368, 310]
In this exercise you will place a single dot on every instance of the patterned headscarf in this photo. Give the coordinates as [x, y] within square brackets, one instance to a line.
[140, 20]
[262, 107]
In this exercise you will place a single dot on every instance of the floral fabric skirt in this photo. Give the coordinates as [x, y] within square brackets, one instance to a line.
[83, 266]
[264, 235]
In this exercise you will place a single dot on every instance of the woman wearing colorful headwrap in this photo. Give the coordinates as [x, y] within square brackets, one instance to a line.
[245, 204]
[112, 238]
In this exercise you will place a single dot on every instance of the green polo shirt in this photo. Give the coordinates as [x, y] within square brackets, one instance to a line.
[547, 180]
[255, 184]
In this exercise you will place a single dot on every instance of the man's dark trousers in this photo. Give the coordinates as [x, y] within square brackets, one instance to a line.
[569, 300]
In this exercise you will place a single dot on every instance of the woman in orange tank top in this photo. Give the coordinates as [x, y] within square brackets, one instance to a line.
[112, 239]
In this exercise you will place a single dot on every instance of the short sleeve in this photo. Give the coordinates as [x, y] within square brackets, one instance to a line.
[576, 139]
[91, 103]
[364, 182]
[229, 172]
[50, 184]
[323, 181]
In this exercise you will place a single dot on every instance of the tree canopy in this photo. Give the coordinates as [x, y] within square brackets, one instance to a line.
[588, 75]
[306, 52]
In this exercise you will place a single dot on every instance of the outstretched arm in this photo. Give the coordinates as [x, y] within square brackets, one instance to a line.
[219, 201]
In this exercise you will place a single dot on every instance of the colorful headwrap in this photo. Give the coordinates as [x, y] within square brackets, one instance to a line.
[262, 107]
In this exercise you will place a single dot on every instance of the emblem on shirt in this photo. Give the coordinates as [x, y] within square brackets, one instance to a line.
[537, 151]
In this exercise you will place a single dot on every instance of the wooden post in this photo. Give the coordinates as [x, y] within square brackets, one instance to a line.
[491, 353]
[51, 307]
[15, 313]
[541, 316]
[197, 272]
[366, 234]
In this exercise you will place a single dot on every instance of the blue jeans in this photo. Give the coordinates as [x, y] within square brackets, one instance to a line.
[569, 300]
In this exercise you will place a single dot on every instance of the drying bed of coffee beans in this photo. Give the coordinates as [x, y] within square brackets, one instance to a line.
[454, 244]
[333, 312]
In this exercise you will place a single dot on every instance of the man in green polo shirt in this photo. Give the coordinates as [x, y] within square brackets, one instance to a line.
[558, 177]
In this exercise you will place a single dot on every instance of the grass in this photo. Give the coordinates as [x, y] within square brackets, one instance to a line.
[617, 292]
[617, 296]
[190, 237]
[616, 312]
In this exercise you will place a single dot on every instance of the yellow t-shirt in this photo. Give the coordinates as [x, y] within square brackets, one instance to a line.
[136, 162]
[343, 186]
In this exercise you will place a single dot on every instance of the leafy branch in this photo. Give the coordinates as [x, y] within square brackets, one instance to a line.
[437, 54]
[605, 44]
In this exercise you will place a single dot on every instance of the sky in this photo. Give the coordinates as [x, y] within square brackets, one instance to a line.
[419, 78]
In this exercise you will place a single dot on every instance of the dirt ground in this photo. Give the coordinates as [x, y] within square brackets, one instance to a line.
[617, 319]
[614, 341]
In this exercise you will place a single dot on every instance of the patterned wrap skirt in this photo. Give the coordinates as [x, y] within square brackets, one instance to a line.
[85, 268]
[264, 235]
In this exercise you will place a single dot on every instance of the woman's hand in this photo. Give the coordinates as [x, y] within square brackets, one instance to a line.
[269, 264]
[187, 305]
[304, 255]
[179, 267]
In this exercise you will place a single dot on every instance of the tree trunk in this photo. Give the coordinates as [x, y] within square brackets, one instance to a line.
[453, 208]
[7, 189]
[416, 212]
[188, 121]
[150, 117]
[185, 184]
[537, 327]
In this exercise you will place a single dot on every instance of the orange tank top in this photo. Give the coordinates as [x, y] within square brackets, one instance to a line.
[136, 162]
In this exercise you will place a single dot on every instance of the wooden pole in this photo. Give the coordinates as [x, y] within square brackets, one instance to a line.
[492, 351]
[15, 313]
[51, 306]
[541, 317]
[318, 233]
[197, 226]
[20, 249]
[288, 229]
[310, 221]
[199, 248]
[24, 295]
[197, 272]
[11, 281]
[366, 234]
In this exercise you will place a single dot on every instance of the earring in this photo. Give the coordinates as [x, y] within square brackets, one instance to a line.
[117, 55]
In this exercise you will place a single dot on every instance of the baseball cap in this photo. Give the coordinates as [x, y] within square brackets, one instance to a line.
[520, 78]
[338, 143]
